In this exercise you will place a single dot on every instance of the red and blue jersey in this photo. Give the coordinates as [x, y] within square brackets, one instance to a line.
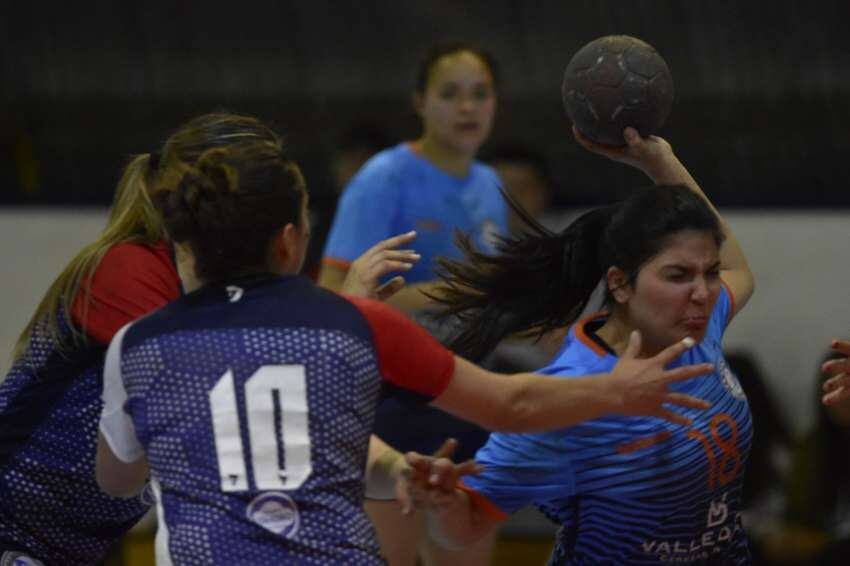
[50, 401]
[633, 490]
[253, 402]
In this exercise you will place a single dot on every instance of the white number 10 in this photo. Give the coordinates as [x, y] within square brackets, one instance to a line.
[276, 406]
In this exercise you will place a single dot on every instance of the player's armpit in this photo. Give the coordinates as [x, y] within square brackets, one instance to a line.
[118, 478]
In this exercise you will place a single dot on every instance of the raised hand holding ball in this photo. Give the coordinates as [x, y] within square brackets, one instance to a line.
[614, 82]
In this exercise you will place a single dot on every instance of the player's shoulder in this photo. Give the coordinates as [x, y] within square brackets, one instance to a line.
[381, 170]
[128, 253]
[134, 259]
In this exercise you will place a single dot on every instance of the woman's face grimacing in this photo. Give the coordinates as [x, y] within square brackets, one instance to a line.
[674, 293]
[459, 102]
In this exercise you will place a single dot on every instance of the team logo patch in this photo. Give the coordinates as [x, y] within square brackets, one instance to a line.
[275, 512]
[730, 382]
[18, 559]
[234, 293]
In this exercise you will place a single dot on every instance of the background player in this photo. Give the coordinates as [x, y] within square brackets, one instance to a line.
[625, 490]
[252, 397]
[433, 185]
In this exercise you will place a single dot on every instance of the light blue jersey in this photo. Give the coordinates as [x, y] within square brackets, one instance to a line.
[397, 191]
[634, 490]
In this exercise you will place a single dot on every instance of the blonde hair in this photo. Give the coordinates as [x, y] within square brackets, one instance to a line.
[133, 218]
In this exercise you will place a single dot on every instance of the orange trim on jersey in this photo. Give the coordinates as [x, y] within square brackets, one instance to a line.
[646, 442]
[334, 262]
[481, 502]
[587, 340]
[731, 301]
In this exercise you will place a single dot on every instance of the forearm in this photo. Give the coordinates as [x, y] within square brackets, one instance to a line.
[525, 402]
[383, 468]
[542, 403]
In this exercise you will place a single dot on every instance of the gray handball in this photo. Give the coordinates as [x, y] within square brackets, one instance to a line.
[614, 82]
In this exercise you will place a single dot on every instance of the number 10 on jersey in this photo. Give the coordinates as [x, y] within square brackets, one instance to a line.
[276, 409]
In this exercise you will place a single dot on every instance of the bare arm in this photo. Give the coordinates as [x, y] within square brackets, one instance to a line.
[384, 466]
[655, 157]
[116, 477]
[529, 402]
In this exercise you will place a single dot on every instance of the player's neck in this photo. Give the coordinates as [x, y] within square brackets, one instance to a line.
[444, 158]
[186, 269]
[616, 331]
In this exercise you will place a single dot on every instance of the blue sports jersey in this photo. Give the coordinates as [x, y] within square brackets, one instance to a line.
[51, 507]
[633, 490]
[397, 191]
[253, 403]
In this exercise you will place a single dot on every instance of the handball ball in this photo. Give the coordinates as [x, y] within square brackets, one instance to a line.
[614, 82]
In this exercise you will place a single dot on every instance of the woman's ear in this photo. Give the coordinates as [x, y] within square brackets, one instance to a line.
[618, 285]
[286, 249]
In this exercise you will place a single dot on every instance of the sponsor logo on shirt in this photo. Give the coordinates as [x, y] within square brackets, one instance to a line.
[730, 382]
[276, 512]
[718, 532]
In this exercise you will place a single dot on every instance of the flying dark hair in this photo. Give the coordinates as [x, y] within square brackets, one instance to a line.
[541, 280]
[437, 51]
[230, 204]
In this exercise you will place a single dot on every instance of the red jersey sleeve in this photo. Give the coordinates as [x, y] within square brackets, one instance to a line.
[130, 281]
[408, 356]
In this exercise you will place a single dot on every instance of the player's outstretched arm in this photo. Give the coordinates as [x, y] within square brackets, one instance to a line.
[531, 402]
[655, 157]
[116, 477]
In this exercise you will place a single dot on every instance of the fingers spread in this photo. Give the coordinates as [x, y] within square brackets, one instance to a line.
[687, 372]
[842, 346]
[673, 351]
[633, 347]
[446, 449]
[688, 401]
[390, 288]
[835, 367]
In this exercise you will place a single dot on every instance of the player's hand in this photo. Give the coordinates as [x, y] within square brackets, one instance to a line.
[837, 388]
[642, 383]
[430, 481]
[642, 153]
[364, 275]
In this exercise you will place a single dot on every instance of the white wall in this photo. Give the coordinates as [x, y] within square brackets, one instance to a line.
[801, 260]
[35, 244]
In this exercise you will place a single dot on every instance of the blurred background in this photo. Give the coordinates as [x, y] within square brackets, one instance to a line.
[760, 118]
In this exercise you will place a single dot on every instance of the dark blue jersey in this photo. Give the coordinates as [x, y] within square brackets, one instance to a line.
[50, 401]
[633, 490]
[253, 403]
